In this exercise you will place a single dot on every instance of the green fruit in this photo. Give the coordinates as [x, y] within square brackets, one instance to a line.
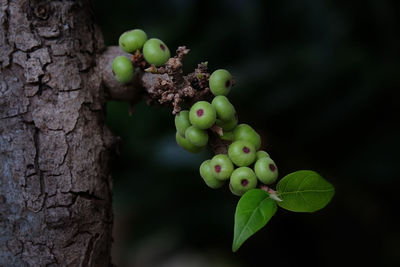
[242, 180]
[227, 125]
[220, 82]
[156, 52]
[227, 136]
[266, 170]
[225, 110]
[133, 40]
[202, 115]
[221, 167]
[196, 136]
[246, 132]
[236, 193]
[122, 68]
[242, 153]
[185, 144]
[182, 122]
[262, 154]
[206, 174]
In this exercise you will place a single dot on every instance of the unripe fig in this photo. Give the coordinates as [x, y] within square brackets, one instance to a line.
[242, 153]
[262, 154]
[266, 170]
[156, 52]
[220, 82]
[225, 110]
[122, 69]
[227, 136]
[206, 174]
[185, 144]
[202, 115]
[233, 191]
[242, 180]
[133, 40]
[182, 122]
[227, 125]
[246, 132]
[196, 136]
[221, 167]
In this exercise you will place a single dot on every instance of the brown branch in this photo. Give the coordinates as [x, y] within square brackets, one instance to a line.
[166, 85]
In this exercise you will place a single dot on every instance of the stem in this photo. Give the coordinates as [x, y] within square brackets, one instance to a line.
[272, 193]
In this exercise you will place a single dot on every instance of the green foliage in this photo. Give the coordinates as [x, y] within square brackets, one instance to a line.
[254, 210]
[304, 191]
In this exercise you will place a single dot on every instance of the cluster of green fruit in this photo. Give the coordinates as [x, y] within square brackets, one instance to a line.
[192, 135]
[154, 51]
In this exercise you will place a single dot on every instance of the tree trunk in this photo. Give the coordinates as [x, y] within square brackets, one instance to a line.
[55, 187]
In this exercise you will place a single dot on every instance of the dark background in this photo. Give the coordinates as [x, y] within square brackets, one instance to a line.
[319, 80]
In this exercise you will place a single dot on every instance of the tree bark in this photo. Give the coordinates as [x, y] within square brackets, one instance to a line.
[55, 187]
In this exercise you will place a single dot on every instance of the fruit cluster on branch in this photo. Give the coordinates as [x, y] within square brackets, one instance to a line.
[204, 116]
[214, 124]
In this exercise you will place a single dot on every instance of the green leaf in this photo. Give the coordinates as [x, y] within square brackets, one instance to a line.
[253, 211]
[304, 191]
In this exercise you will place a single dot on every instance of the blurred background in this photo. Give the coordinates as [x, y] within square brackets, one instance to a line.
[319, 80]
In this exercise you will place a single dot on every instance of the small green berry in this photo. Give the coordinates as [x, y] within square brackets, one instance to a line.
[227, 125]
[133, 40]
[156, 52]
[196, 136]
[202, 115]
[122, 68]
[206, 174]
[242, 180]
[266, 170]
[246, 132]
[185, 144]
[182, 122]
[262, 154]
[236, 193]
[220, 82]
[242, 153]
[227, 136]
[225, 110]
[221, 167]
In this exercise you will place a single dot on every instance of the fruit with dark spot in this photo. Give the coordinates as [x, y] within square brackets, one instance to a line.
[206, 174]
[122, 69]
[133, 40]
[221, 167]
[246, 132]
[225, 110]
[242, 180]
[242, 153]
[266, 170]
[220, 82]
[182, 122]
[196, 136]
[185, 144]
[202, 115]
[156, 52]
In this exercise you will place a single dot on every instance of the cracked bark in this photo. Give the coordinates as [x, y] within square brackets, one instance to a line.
[55, 187]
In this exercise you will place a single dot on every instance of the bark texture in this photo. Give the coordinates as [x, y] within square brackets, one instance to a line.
[55, 188]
